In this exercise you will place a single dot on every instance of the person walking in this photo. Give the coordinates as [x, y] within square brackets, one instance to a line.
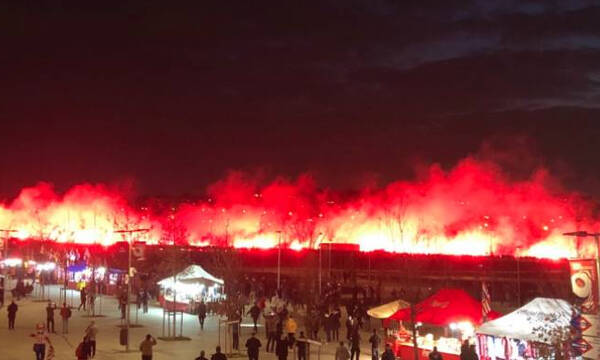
[82, 352]
[146, 347]
[388, 354]
[12, 314]
[342, 353]
[253, 345]
[281, 349]
[50, 316]
[92, 302]
[202, 356]
[302, 346]
[271, 325]
[349, 327]
[201, 314]
[374, 340]
[254, 312]
[82, 298]
[335, 316]
[218, 355]
[65, 314]
[355, 345]
[41, 338]
[90, 332]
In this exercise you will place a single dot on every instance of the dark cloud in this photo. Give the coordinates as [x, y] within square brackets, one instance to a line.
[175, 94]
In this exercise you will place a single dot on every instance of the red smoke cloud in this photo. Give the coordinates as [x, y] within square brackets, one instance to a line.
[469, 210]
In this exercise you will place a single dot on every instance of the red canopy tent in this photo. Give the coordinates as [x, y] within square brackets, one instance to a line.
[444, 307]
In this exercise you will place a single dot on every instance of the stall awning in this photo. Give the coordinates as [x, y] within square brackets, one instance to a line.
[540, 313]
[445, 307]
[190, 274]
[386, 310]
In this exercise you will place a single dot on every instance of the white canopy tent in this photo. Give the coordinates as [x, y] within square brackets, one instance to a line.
[520, 324]
[189, 275]
[191, 284]
[386, 310]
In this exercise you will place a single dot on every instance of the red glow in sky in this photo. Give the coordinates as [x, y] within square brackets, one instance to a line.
[468, 210]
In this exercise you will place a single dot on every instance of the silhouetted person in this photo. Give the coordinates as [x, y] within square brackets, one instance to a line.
[281, 349]
[254, 312]
[218, 355]
[201, 314]
[201, 357]
[146, 347]
[302, 345]
[12, 314]
[50, 316]
[253, 345]
[374, 340]
[434, 354]
[83, 350]
[82, 298]
[355, 345]
[388, 354]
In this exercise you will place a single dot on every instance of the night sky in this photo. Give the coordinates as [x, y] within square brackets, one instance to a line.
[173, 95]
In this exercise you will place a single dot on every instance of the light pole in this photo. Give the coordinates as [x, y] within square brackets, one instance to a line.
[329, 271]
[319, 238]
[129, 278]
[278, 260]
[596, 237]
[518, 276]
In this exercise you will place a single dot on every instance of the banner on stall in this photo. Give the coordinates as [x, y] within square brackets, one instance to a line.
[584, 284]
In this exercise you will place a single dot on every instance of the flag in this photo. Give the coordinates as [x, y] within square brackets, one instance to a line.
[486, 301]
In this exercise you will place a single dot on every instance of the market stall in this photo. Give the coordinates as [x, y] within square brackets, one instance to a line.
[453, 311]
[514, 336]
[188, 288]
[106, 280]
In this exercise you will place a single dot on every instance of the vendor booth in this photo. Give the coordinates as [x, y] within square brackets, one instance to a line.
[189, 287]
[107, 280]
[514, 336]
[453, 310]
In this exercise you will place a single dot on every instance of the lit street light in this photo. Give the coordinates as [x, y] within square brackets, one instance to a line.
[279, 260]
[129, 278]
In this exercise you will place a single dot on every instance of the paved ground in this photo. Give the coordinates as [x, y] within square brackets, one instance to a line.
[17, 345]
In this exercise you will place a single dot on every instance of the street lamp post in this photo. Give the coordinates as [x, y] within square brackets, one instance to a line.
[596, 237]
[129, 279]
[279, 260]
[319, 238]
[329, 271]
[518, 276]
